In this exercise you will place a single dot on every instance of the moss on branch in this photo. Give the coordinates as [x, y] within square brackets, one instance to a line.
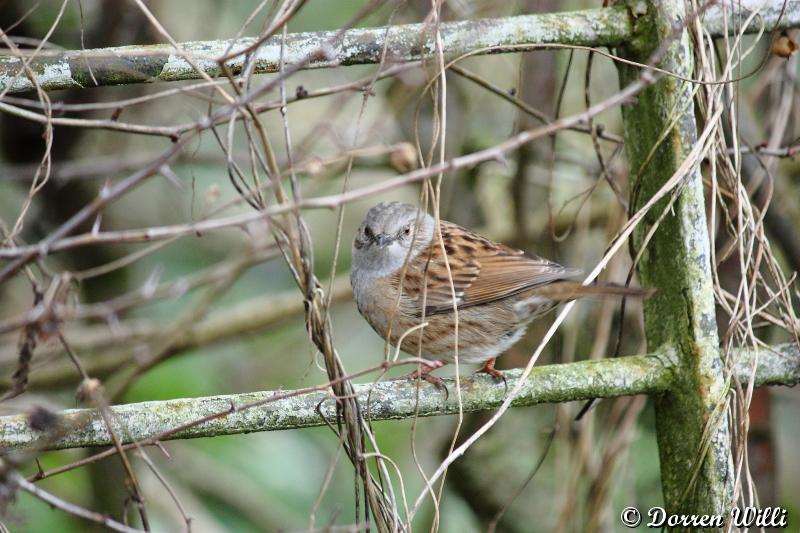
[392, 399]
[162, 62]
[608, 27]
[605, 378]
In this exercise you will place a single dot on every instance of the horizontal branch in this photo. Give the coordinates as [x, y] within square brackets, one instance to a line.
[226, 415]
[138, 64]
[123, 65]
[389, 400]
[777, 365]
[770, 15]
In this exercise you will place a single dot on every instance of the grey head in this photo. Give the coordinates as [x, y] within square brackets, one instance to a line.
[390, 231]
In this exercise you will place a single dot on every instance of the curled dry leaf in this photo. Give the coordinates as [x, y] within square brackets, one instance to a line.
[314, 167]
[404, 158]
[784, 46]
[89, 389]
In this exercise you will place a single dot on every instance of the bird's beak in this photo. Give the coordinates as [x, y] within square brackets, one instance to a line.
[383, 240]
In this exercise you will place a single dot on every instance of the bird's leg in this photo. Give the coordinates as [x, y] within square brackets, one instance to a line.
[424, 372]
[488, 368]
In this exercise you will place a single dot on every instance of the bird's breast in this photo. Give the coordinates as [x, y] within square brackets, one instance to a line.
[376, 299]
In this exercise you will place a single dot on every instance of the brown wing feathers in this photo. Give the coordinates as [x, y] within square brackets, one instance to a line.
[482, 271]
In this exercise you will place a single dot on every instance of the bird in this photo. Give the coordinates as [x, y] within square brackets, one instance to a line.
[408, 270]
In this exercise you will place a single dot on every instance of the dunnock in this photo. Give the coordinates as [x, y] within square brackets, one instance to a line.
[400, 280]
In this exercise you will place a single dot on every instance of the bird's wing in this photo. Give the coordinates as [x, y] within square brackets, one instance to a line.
[482, 271]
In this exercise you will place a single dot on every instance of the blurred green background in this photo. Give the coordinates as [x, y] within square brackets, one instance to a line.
[274, 481]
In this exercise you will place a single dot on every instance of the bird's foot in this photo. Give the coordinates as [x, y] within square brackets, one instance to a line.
[488, 368]
[424, 373]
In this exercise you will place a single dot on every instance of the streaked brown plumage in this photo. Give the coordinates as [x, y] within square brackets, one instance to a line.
[400, 279]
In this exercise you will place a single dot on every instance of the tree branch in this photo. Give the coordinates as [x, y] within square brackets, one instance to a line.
[123, 65]
[233, 414]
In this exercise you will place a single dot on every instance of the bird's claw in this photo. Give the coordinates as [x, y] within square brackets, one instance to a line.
[436, 382]
[488, 368]
[424, 373]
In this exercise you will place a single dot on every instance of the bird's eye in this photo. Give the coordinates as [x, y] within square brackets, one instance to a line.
[407, 230]
[368, 232]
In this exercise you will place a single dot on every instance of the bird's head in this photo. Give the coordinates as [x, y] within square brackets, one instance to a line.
[390, 231]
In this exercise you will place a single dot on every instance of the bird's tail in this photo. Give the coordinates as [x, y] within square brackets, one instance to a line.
[569, 290]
